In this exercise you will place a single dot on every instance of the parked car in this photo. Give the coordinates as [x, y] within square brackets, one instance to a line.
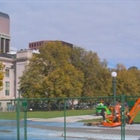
[37, 106]
[81, 106]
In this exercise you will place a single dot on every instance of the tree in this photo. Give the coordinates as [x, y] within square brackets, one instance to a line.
[120, 67]
[31, 83]
[51, 72]
[133, 67]
[1, 75]
[127, 82]
[96, 75]
[64, 82]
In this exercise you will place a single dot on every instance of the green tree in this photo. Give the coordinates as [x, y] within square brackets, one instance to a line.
[133, 67]
[1, 75]
[127, 81]
[51, 72]
[64, 82]
[96, 74]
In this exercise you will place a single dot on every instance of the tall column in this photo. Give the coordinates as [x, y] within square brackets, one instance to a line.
[4, 45]
[0, 44]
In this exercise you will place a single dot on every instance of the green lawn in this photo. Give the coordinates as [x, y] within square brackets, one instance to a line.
[53, 114]
[137, 118]
[46, 114]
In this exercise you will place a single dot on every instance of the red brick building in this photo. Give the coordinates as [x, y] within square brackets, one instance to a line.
[36, 45]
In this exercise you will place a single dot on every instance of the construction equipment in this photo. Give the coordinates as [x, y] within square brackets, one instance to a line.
[133, 112]
[100, 106]
[113, 119]
[99, 109]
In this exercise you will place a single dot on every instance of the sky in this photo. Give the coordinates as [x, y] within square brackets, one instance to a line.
[111, 28]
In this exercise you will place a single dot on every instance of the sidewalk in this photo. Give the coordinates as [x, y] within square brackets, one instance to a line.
[68, 119]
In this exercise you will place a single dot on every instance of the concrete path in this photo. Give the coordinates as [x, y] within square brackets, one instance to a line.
[68, 119]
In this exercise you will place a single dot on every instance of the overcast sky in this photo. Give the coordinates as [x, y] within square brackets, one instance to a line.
[109, 27]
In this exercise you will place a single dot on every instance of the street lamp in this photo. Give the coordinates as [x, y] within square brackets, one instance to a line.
[114, 74]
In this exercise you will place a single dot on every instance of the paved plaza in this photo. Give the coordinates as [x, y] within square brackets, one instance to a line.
[53, 129]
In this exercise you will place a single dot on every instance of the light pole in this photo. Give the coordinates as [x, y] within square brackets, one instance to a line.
[114, 74]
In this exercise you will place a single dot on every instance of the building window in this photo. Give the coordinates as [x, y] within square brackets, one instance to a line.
[7, 45]
[2, 45]
[7, 88]
[1, 109]
[9, 106]
[7, 72]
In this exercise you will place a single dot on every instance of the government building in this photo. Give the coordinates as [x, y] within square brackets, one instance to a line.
[14, 63]
[4, 33]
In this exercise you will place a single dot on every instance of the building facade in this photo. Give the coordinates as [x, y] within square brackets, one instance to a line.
[14, 67]
[36, 45]
[14, 63]
[4, 33]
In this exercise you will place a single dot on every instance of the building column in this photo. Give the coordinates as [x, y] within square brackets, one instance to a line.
[0, 44]
[4, 45]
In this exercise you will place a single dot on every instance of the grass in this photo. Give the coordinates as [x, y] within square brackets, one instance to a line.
[137, 118]
[46, 114]
[54, 114]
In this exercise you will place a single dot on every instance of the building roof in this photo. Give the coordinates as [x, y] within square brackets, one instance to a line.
[4, 15]
[7, 55]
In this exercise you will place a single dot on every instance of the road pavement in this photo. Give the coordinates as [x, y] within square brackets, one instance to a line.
[77, 130]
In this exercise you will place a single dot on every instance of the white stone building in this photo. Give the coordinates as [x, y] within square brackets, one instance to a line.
[4, 33]
[14, 67]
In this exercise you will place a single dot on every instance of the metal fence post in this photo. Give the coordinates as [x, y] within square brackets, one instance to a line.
[18, 118]
[64, 119]
[24, 104]
[122, 117]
